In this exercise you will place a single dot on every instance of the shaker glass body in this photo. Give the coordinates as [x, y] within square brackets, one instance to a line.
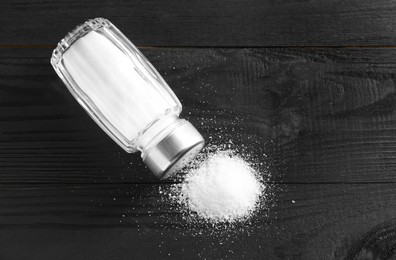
[125, 95]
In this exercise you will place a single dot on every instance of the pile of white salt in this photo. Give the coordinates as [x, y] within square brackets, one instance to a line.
[223, 188]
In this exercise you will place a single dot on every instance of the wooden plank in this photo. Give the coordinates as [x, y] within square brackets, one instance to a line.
[207, 23]
[321, 221]
[308, 115]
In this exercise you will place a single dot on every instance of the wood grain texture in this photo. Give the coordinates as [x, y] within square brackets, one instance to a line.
[308, 115]
[319, 123]
[207, 23]
[114, 221]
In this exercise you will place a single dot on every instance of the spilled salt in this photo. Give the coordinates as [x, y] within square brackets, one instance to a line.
[223, 188]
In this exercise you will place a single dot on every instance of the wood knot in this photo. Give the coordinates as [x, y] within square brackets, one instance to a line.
[377, 244]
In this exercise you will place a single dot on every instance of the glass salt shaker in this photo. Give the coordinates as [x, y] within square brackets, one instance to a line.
[126, 96]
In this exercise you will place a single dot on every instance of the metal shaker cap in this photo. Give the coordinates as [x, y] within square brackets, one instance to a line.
[175, 151]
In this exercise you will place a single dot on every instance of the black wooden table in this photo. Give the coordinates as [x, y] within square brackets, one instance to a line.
[307, 87]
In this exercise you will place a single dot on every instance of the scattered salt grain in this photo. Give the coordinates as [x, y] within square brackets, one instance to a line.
[223, 188]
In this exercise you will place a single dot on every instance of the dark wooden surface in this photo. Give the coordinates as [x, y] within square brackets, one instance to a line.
[124, 221]
[321, 120]
[208, 23]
